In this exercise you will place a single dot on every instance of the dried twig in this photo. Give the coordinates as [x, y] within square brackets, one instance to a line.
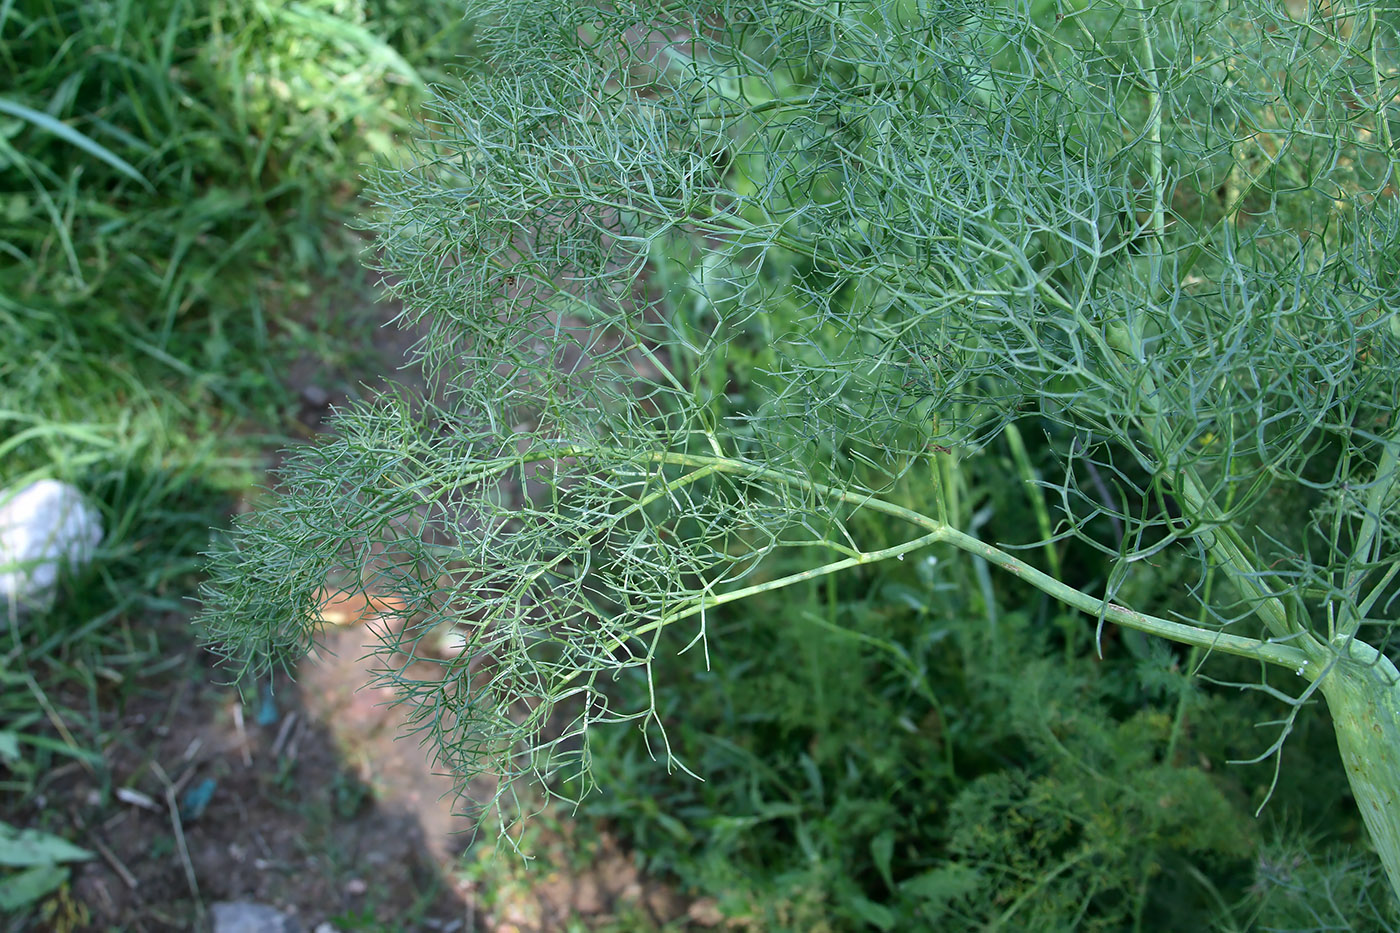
[111, 859]
[284, 732]
[172, 805]
[242, 735]
[137, 799]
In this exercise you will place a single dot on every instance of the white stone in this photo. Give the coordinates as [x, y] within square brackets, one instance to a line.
[44, 527]
[248, 917]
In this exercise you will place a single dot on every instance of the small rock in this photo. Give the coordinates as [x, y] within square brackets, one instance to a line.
[315, 396]
[356, 886]
[43, 526]
[663, 903]
[588, 896]
[325, 928]
[705, 911]
[453, 642]
[247, 917]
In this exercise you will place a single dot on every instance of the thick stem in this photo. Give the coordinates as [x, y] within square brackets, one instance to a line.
[1154, 140]
[1362, 689]
[1185, 633]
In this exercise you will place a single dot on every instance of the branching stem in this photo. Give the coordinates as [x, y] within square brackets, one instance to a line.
[1285, 655]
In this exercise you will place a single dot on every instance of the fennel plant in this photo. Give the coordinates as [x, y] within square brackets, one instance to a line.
[1163, 236]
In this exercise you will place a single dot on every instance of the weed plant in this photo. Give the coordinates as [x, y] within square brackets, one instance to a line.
[728, 299]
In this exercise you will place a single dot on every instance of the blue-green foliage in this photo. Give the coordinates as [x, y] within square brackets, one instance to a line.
[903, 752]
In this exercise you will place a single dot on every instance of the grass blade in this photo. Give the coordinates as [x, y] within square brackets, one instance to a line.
[69, 135]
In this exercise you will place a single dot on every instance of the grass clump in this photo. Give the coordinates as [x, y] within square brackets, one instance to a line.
[174, 178]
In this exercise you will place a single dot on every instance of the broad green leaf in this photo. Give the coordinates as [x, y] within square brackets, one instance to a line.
[26, 887]
[882, 851]
[24, 847]
[943, 884]
[877, 915]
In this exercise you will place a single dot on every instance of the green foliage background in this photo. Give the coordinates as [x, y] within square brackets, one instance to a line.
[873, 758]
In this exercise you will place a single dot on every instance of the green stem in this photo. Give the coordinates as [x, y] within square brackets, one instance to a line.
[1270, 651]
[729, 596]
[1228, 547]
[1382, 103]
[1223, 542]
[1037, 501]
[1154, 149]
[1285, 655]
[1367, 548]
[1362, 688]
